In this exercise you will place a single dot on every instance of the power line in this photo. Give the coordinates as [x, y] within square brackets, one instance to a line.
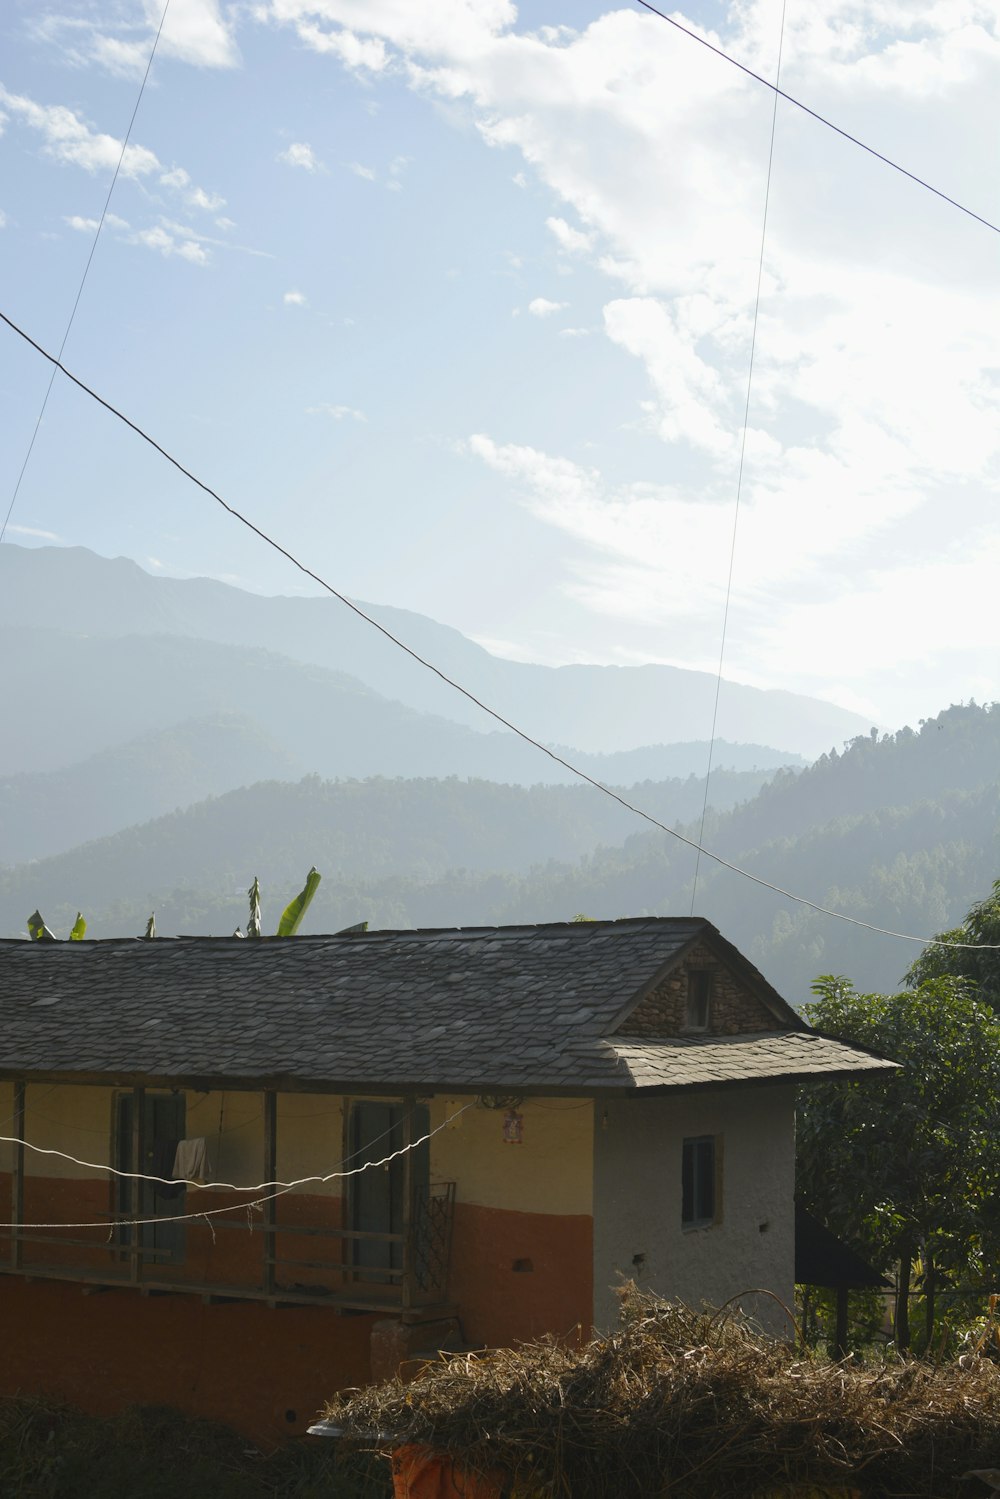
[83, 278]
[493, 713]
[739, 476]
[821, 119]
[260, 1187]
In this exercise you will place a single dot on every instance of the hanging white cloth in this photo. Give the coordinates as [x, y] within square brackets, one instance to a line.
[191, 1162]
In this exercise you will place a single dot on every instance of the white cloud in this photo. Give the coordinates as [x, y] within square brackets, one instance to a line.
[339, 413]
[301, 154]
[193, 31]
[542, 307]
[573, 332]
[3, 219]
[197, 32]
[361, 171]
[70, 139]
[33, 531]
[90, 226]
[295, 299]
[575, 241]
[170, 243]
[628, 539]
[359, 55]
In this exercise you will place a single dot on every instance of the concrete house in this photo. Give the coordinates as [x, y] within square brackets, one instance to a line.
[400, 1135]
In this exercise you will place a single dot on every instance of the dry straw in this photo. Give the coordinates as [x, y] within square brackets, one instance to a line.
[693, 1404]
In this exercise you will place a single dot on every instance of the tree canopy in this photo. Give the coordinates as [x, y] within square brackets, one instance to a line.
[909, 1168]
[978, 964]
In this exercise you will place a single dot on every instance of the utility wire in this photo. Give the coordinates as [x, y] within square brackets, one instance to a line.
[739, 476]
[203, 1186]
[493, 713]
[260, 1187]
[821, 119]
[83, 278]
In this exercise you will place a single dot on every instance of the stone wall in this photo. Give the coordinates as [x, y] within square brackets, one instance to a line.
[733, 1011]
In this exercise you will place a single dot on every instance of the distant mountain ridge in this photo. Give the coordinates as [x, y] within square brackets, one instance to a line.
[47, 812]
[599, 709]
[901, 832]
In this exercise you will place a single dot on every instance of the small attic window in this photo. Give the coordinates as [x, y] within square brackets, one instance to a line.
[699, 1000]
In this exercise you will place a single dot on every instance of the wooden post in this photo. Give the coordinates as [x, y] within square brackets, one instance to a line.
[136, 1194]
[409, 1284]
[270, 1175]
[17, 1177]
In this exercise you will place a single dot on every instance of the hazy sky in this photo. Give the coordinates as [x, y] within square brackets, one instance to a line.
[456, 299]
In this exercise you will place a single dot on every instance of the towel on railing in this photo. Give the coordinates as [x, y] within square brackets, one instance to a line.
[191, 1161]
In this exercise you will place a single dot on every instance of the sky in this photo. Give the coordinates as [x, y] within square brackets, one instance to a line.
[457, 301]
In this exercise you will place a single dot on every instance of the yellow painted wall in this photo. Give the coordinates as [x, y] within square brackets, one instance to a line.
[311, 1140]
[6, 1124]
[74, 1119]
[551, 1172]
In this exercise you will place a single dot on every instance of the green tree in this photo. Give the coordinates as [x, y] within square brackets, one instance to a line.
[979, 964]
[909, 1167]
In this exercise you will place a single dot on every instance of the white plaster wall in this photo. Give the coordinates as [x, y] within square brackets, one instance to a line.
[637, 1200]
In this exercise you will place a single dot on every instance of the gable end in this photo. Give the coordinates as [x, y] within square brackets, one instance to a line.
[734, 1010]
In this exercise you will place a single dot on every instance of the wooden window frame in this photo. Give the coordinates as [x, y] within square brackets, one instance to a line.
[698, 1002]
[698, 1210]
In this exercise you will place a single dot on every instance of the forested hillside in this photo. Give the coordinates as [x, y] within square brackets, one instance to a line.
[360, 830]
[901, 831]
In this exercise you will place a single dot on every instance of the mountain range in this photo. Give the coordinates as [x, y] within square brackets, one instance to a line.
[166, 740]
[598, 709]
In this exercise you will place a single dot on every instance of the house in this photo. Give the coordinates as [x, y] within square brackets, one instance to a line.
[407, 1134]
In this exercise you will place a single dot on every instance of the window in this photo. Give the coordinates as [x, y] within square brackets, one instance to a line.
[700, 1182]
[699, 1000]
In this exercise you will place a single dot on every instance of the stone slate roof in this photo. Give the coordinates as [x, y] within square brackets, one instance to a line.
[474, 1010]
[701, 1061]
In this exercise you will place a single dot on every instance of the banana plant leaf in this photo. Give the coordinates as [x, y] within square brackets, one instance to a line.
[79, 928]
[37, 930]
[253, 921]
[293, 913]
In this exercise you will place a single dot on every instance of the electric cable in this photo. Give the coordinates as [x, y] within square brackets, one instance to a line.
[739, 476]
[470, 696]
[821, 119]
[260, 1187]
[83, 278]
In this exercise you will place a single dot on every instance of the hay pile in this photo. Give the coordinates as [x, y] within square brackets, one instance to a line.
[688, 1403]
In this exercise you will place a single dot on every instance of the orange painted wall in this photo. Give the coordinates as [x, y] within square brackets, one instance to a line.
[500, 1304]
[514, 1276]
[241, 1364]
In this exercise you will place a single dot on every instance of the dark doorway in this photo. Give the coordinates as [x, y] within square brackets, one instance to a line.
[377, 1195]
[161, 1242]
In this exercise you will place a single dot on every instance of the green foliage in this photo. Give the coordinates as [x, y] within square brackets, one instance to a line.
[78, 930]
[979, 964]
[908, 1168]
[253, 920]
[291, 916]
[37, 930]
